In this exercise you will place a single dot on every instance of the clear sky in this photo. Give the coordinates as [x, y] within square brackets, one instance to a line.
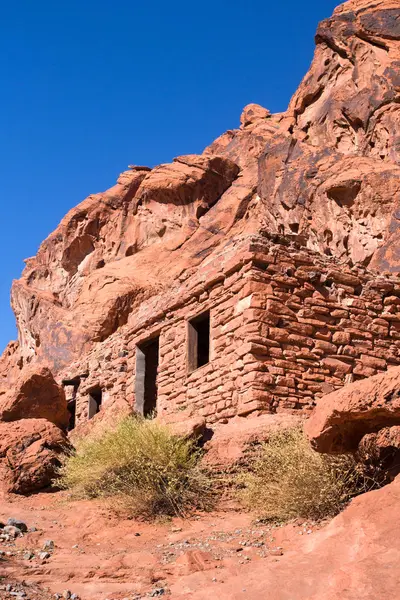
[88, 87]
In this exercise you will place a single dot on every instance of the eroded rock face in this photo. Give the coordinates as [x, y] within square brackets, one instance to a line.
[326, 171]
[381, 451]
[36, 395]
[341, 419]
[30, 452]
[330, 169]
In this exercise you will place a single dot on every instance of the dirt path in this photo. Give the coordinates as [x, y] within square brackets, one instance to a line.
[98, 556]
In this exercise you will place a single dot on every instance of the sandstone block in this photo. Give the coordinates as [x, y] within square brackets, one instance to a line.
[30, 451]
[36, 395]
[343, 417]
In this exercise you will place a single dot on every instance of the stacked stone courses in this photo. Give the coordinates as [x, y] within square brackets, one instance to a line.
[288, 325]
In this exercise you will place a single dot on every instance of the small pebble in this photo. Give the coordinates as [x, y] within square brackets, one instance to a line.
[276, 552]
[48, 545]
[12, 531]
[21, 525]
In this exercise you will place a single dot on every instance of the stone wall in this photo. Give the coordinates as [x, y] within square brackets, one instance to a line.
[287, 326]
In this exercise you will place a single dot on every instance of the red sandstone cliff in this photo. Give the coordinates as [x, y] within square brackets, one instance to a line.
[328, 170]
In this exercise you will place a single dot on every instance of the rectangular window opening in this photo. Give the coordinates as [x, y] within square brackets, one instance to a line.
[71, 386]
[95, 400]
[199, 341]
[146, 388]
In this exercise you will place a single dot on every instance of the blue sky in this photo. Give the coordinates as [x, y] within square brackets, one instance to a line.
[90, 87]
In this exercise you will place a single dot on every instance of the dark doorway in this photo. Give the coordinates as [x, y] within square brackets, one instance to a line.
[95, 400]
[147, 358]
[199, 341]
[72, 414]
[71, 389]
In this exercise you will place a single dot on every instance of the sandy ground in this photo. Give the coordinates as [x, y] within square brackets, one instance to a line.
[99, 555]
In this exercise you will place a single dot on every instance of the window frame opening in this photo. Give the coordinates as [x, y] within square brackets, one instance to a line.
[71, 404]
[95, 400]
[199, 341]
[146, 377]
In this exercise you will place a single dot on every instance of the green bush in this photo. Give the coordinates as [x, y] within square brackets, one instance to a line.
[290, 480]
[141, 463]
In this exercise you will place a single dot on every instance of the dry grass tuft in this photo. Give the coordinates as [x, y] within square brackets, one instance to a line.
[143, 465]
[290, 480]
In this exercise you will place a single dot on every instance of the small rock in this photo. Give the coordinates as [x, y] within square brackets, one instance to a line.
[21, 525]
[157, 592]
[276, 552]
[28, 555]
[48, 545]
[66, 594]
[43, 555]
[12, 531]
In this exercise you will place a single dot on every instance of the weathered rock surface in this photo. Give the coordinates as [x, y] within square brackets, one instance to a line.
[341, 419]
[382, 450]
[189, 428]
[36, 395]
[232, 444]
[356, 556]
[29, 454]
[327, 171]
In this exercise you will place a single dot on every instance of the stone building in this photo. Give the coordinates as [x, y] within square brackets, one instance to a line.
[265, 325]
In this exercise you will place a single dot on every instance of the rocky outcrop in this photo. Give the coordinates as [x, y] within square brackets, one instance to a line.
[29, 454]
[328, 168]
[36, 395]
[86, 279]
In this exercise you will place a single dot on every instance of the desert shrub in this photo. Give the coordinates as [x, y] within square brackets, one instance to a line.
[142, 464]
[290, 480]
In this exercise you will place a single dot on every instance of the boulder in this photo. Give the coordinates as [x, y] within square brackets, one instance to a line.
[231, 445]
[189, 428]
[35, 396]
[341, 419]
[30, 452]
